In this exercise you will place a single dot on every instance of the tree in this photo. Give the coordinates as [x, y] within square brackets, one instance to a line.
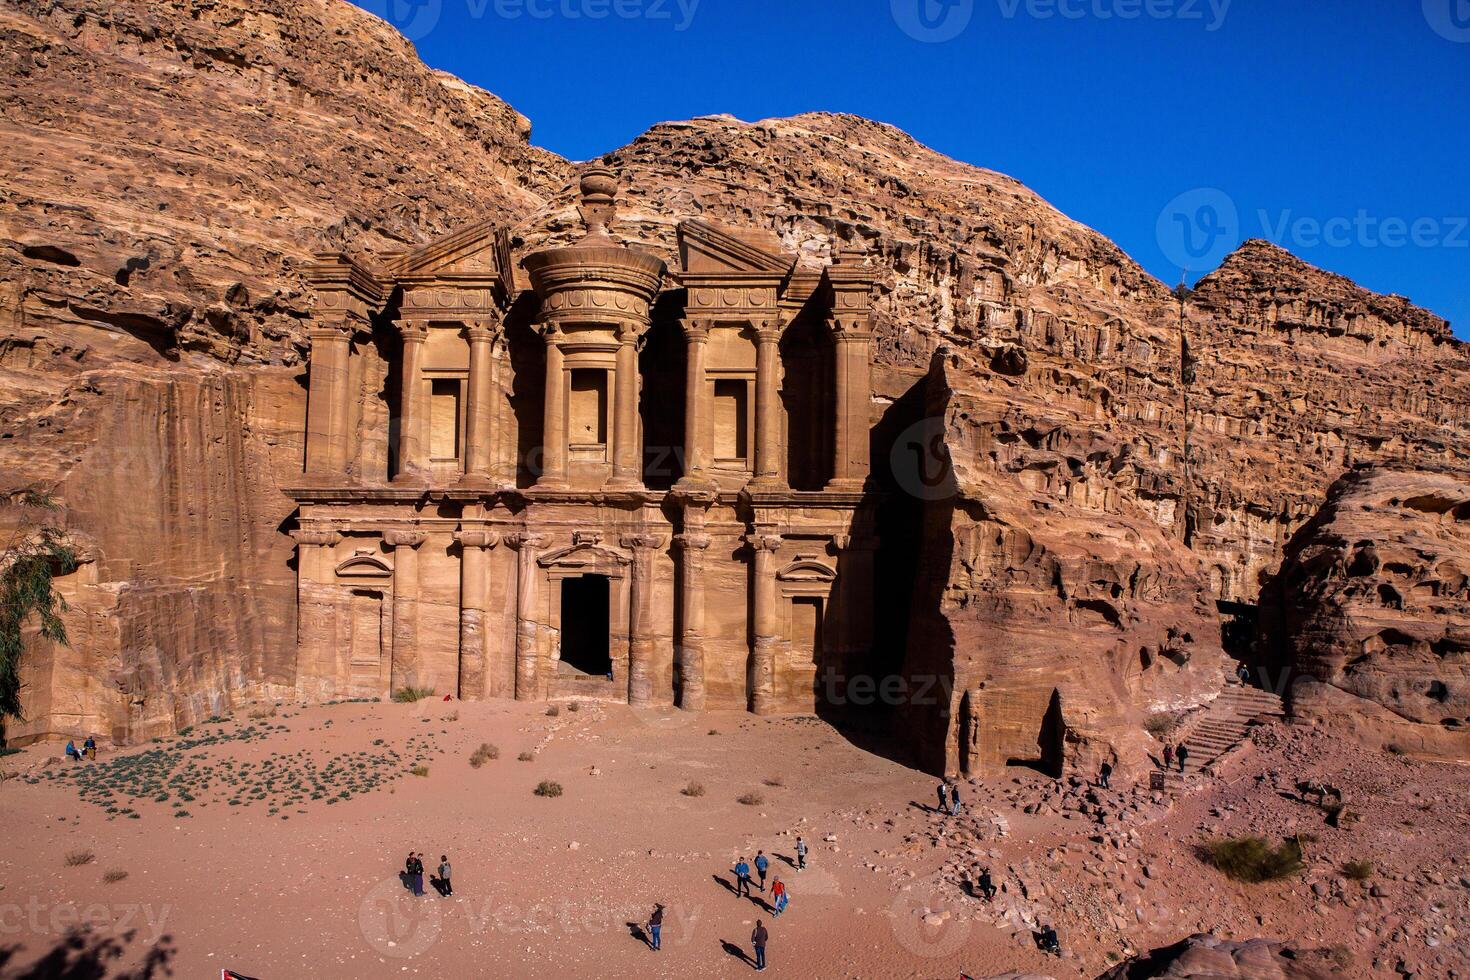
[38, 551]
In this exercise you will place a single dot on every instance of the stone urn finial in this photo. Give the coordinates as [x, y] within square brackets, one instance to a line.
[599, 200]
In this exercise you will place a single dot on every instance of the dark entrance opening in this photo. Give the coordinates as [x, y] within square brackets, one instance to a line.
[584, 624]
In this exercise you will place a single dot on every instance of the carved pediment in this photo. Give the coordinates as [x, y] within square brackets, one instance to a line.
[477, 251]
[805, 569]
[364, 565]
[584, 554]
[707, 249]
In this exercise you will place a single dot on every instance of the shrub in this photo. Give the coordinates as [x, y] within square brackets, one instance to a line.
[78, 858]
[1358, 870]
[417, 771]
[485, 753]
[1161, 723]
[548, 788]
[751, 799]
[1252, 859]
[526, 757]
[114, 876]
[408, 695]
[553, 711]
[574, 706]
[693, 789]
[452, 717]
[773, 781]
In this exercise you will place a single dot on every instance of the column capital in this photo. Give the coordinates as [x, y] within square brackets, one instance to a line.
[760, 541]
[484, 329]
[525, 541]
[642, 541]
[476, 538]
[696, 329]
[693, 540]
[404, 538]
[767, 331]
[413, 331]
[334, 326]
[631, 332]
[550, 330]
[852, 328]
[324, 537]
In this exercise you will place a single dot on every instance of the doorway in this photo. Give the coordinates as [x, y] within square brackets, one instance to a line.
[584, 625]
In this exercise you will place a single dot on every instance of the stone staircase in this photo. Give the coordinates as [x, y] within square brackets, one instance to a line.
[1223, 726]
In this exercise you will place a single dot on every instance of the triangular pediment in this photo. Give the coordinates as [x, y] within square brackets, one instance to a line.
[475, 250]
[705, 248]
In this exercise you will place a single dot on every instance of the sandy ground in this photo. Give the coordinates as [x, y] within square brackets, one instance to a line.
[558, 886]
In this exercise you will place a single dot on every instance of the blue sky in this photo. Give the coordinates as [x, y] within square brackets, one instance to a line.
[1337, 128]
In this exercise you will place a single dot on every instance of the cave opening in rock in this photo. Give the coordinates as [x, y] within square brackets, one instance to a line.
[584, 625]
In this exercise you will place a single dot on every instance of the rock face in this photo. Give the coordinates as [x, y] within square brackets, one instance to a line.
[1371, 611]
[1206, 957]
[174, 166]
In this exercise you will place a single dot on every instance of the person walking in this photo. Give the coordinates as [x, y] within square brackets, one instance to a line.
[986, 885]
[416, 870]
[943, 792]
[1168, 755]
[655, 926]
[800, 854]
[742, 878]
[778, 895]
[1105, 774]
[954, 800]
[1182, 754]
[762, 864]
[758, 937]
[445, 888]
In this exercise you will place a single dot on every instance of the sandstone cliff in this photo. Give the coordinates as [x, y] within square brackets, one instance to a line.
[174, 163]
[1371, 612]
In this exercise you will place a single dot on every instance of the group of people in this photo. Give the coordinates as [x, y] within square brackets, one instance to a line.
[88, 750]
[1171, 754]
[413, 875]
[779, 895]
[949, 798]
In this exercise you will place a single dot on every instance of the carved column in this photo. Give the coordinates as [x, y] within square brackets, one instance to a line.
[763, 677]
[696, 401]
[768, 405]
[527, 653]
[627, 448]
[327, 405]
[854, 394]
[316, 674]
[640, 617]
[554, 420]
[410, 400]
[480, 423]
[474, 578]
[692, 545]
[405, 544]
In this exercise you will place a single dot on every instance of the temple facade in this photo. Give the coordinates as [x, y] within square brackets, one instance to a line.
[579, 473]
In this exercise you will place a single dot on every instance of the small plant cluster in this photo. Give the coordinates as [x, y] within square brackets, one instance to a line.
[1253, 859]
[76, 859]
[750, 799]
[693, 789]
[485, 753]
[526, 757]
[548, 788]
[408, 695]
[553, 711]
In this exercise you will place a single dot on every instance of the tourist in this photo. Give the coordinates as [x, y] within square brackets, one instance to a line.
[1105, 774]
[800, 854]
[943, 792]
[1182, 754]
[1168, 755]
[762, 863]
[1049, 941]
[655, 926]
[758, 937]
[986, 885]
[89, 747]
[72, 753]
[778, 895]
[954, 800]
[742, 878]
[1244, 673]
[416, 872]
[445, 888]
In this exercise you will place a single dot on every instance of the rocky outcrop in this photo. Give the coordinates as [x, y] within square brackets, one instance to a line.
[173, 164]
[1206, 957]
[1371, 611]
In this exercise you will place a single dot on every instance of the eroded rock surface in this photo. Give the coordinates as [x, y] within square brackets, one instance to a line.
[1206, 957]
[1371, 610]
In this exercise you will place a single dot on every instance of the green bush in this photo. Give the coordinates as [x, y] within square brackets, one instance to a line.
[1358, 870]
[1252, 859]
[408, 695]
[548, 788]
